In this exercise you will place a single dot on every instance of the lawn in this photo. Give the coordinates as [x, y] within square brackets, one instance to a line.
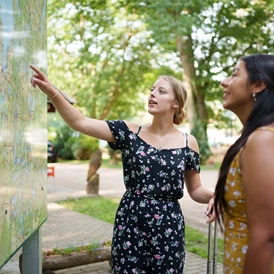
[106, 163]
[104, 209]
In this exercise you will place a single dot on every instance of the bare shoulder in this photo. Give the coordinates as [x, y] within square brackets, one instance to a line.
[192, 143]
[132, 126]
[259, 145]
[263, 136]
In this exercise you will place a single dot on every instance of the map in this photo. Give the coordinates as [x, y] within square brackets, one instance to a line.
[23, 124]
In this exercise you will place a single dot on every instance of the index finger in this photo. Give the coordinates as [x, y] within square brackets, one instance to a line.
[40, 73]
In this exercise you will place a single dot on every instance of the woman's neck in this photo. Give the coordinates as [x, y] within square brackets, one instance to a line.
[161, 128]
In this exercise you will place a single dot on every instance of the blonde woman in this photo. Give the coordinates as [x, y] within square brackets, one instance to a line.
[157, 160]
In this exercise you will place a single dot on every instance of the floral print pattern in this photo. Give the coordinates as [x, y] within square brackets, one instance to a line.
[236, 235]
[235, 222]
[148, 234]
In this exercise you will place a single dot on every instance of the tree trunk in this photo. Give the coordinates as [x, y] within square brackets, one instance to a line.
[73, 259]
[195, 109]
[186, 56]
[202, 112]
[56, 262]
[93, 177]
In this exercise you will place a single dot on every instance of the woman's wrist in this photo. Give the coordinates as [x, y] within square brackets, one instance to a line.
[54, 95]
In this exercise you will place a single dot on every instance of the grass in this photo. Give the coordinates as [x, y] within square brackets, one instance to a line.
[98, 207]
[197, 243]
[107, 164]
[105, 209]
[215, 166]
[74, 162]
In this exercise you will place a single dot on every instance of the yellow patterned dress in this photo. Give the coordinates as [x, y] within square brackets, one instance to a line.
[236, 234]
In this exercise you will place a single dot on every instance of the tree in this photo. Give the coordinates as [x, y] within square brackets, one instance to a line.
[208, 36]
[103, 55]
[106, 50]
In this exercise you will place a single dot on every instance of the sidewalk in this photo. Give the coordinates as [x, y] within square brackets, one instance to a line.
[65, 227]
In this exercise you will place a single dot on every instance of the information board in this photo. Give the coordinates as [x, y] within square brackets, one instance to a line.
[23, 124]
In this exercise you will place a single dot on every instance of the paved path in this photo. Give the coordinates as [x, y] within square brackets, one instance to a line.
[65, 227]
[71, 182]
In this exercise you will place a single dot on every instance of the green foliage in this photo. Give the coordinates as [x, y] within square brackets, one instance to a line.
[107, 53]
[64, 141]
[69, 143]
[74, 145]
[199, 133]
[84, 147]
[100, 55]
[168, 20]
[214, 34]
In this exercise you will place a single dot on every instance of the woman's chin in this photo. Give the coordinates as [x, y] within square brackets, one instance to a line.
[150, 111]
[225, 106]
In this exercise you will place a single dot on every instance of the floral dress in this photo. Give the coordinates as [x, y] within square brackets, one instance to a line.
[148, 234]
[236, 235]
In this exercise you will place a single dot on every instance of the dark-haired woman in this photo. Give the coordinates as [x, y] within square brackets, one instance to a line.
[244, 193]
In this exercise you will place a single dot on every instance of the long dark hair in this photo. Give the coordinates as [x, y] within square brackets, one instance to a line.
[260, 69]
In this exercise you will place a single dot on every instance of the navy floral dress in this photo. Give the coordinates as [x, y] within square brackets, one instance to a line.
[148, 234]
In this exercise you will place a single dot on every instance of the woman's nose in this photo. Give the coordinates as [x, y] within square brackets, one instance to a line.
[224, 82]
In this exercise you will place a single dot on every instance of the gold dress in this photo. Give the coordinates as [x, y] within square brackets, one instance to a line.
[236, 234]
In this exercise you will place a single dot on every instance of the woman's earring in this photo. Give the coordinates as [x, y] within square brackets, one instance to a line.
[254, 96]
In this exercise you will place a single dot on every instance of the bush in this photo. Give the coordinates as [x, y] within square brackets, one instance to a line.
[84, 147]
[64, 140]
[71, 144]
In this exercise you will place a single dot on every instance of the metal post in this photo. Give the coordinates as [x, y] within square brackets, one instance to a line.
[215, 251]
[209, 254]
[32, 254]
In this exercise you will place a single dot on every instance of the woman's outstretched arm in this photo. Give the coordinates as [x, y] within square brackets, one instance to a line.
[72, 116]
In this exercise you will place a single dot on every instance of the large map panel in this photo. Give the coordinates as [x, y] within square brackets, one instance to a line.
[23, 124]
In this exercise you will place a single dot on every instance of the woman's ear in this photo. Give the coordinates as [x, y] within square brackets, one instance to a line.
[175, 104]
[259, 87]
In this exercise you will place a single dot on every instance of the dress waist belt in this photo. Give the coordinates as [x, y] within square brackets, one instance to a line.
[152, 197]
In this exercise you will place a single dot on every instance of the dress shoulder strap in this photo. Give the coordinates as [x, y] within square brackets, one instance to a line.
[139, 129]
[186, 137]
[267, 128]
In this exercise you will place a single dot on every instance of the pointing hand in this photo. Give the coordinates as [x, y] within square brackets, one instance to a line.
[42, 82]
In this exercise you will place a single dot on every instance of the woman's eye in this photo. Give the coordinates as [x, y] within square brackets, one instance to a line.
[234, 73]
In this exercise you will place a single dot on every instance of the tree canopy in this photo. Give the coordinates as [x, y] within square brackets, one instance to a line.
[108, 53]
[103, 56]
[209, 37]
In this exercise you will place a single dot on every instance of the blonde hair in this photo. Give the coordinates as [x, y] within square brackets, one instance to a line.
[180, 96]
